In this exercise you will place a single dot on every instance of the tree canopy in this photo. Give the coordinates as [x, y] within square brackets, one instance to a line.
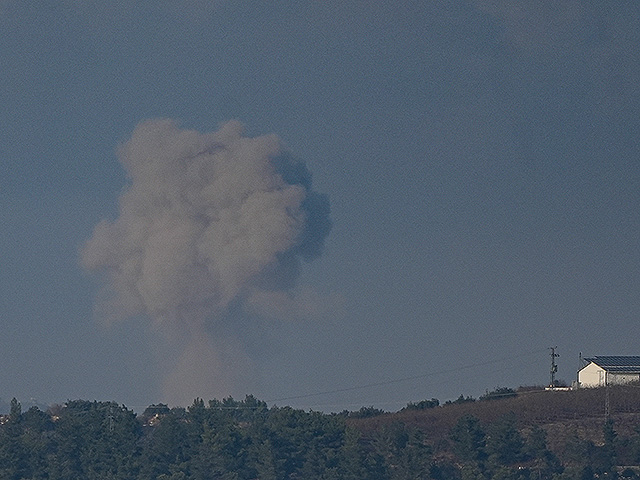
[248, 440]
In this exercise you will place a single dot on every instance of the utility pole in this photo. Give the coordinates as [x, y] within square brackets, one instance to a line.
[607, 400]
[554, 367]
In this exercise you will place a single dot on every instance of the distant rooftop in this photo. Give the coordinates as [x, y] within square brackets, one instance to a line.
[616, 363]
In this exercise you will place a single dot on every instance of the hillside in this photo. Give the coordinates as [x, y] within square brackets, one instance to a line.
[525, 435]
[531, 407]
[574, 424]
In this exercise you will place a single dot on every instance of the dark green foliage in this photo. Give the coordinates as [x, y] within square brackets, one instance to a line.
[413, 454]
[582, 472]
[155, 411]
[166, 448]
[228, 439]
[577, 449]
[246, 440]
[500, 453]
[608, 449]
[366, 412]
[14, 459]
[460, 399]
[96, 440]
[422, 405]
[543, 462]
[83, 440]
[504, 444]
[15, 409]
[498, 394]
[628, 449]
[536, 445]
[469, 439]
[443, 471]
[628, 474]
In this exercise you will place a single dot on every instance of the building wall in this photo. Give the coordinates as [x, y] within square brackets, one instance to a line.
[591, 376]
[594, 376]
[620, 378]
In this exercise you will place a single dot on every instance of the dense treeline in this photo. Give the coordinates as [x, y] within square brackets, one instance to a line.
[220, 440]
[246, 439]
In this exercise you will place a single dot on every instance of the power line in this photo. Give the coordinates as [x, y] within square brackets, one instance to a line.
[405, 379]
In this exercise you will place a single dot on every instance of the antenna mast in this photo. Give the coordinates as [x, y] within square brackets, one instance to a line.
[554, 367]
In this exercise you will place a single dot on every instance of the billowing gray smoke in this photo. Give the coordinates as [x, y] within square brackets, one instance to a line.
[206, 220]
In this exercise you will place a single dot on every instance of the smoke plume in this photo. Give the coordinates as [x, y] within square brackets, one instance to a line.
[206, 222]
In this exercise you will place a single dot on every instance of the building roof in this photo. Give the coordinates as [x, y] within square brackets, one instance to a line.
[616, 363]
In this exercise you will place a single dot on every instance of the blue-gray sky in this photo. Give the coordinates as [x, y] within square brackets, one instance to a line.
[481, 160]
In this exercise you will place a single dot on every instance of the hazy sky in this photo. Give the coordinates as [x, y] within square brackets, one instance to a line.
[480, 159]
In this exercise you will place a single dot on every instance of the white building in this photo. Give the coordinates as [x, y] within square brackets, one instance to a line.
[609, 370]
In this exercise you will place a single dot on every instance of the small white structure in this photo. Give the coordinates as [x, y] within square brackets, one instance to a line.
[609, 370]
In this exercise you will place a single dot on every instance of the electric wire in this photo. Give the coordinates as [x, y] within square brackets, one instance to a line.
[405, 379]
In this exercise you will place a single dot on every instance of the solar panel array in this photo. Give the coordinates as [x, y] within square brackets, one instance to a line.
[617, 363]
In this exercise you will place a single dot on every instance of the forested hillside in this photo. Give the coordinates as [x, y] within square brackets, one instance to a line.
[528, 434]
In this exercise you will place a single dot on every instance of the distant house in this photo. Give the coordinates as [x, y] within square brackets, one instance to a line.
[609, 370]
